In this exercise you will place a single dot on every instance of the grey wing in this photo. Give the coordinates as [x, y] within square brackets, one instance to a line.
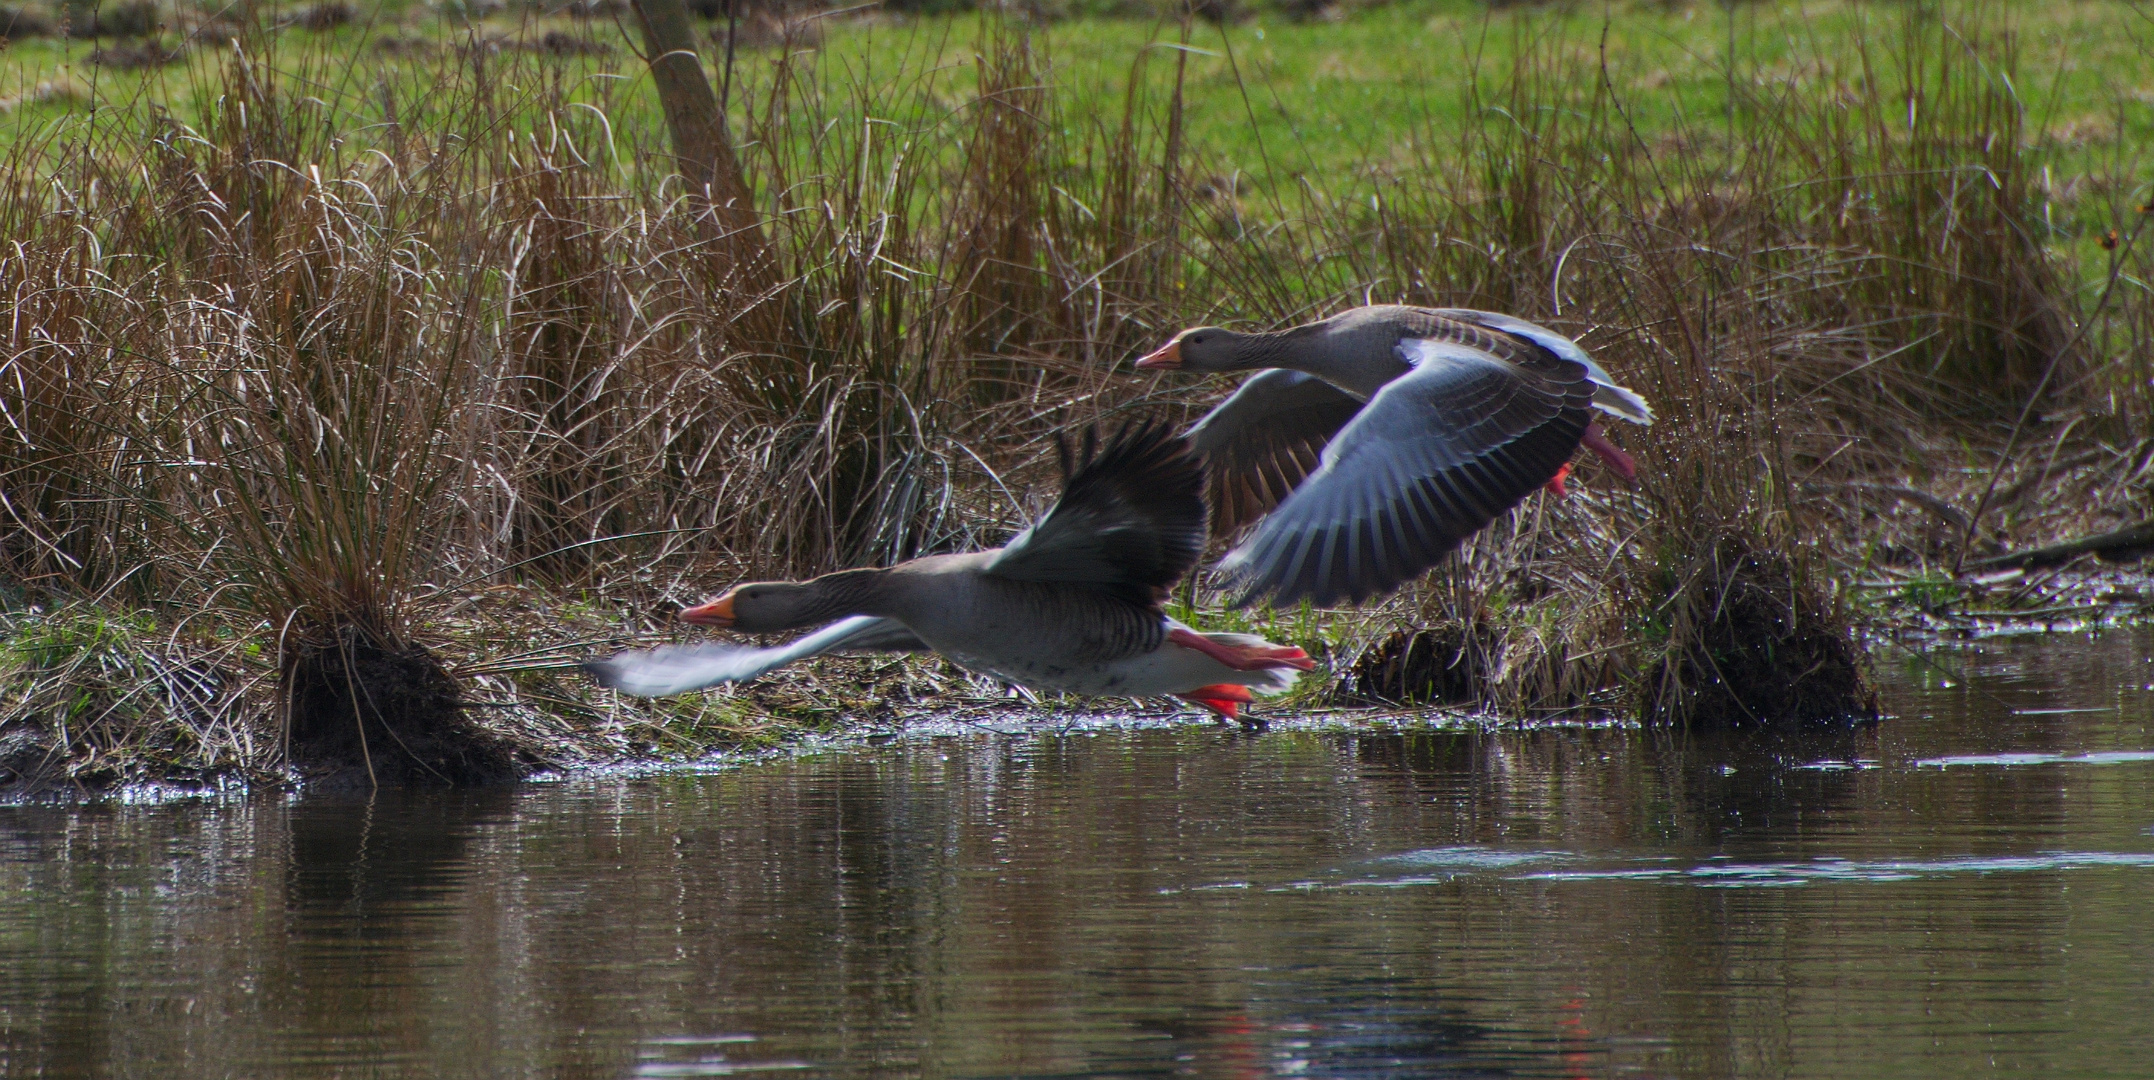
[1608, 395]
[1129, 524]
[1263, 440]
[1435, 456]
[679, 669]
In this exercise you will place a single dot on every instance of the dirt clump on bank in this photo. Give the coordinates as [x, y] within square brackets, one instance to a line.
[1449, 664]
[1748, 647]
[366, 714]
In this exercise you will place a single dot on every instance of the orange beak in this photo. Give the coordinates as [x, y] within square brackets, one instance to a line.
[718, 613]
[1167, 358]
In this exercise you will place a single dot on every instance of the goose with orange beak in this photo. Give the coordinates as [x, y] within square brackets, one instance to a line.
[1373, 442]
[1074, 604]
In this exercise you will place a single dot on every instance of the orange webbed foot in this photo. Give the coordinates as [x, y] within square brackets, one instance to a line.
[1223, 699]
[1555, 483]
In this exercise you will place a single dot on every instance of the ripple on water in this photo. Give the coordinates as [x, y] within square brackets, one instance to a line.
[1430, 866]
[1441, 864]
[1469, 857]
[1732, 875]
[709, 1062]
[715, 1067]
[2106, 757]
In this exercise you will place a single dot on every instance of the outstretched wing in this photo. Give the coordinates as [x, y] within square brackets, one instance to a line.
[1263, 440]
[678, 669]
[1433, 458]
[1130, 521]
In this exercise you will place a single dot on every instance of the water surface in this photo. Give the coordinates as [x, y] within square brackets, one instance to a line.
[1966, 889]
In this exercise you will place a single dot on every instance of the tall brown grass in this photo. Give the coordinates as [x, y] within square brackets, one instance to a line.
[318, 366]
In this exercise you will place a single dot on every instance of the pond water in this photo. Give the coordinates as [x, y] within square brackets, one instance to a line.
[1967, 888]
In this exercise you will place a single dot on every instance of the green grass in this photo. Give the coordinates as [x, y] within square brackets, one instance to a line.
[1274, 108]
[1268, 97]
[1291, 119]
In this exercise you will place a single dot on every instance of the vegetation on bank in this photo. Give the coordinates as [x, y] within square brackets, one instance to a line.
[327, 358]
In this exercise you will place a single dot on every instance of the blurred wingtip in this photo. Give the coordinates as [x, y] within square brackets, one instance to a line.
[606, 673]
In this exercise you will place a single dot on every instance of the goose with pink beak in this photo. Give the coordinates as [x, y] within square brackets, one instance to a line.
[1375, 441]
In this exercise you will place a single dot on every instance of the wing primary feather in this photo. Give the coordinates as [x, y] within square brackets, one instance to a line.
[680, 669]
[1130, 522]
[1356, 528]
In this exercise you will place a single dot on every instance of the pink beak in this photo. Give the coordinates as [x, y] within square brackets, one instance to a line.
[1167, 357]
[717, 613]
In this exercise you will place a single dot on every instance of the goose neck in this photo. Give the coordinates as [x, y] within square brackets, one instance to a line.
[1309, 350]
[849, 592]
[1282, 349]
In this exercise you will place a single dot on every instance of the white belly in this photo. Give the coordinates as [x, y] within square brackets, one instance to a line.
[1169, 669]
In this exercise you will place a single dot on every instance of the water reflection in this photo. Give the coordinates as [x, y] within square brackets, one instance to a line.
[371, 913]
[1322, 1026]
[1959, 889]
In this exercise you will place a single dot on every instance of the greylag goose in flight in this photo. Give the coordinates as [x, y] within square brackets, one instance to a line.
[1074, 604]
[1382, 437]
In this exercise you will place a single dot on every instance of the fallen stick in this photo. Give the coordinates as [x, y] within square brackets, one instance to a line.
[2032, 614]
[2012, 495]
[1952, 515]
[2128, 544]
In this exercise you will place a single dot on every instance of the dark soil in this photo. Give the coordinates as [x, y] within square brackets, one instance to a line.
[764, 30]
[1444, 665]
[139, 18]
[326, 16]
[412, 714]
[30, 757]
[393, 45]
[562, 43]
[147, 54]
[594, 9]
[1219, 12]
[1753, 650]
[17, 24]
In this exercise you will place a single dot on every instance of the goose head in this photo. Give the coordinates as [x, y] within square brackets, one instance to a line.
[1205, 349]
[763, 607]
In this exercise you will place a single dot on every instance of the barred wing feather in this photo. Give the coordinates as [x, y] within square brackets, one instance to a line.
[1264, 439]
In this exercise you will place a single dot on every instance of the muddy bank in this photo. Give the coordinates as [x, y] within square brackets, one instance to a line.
[95, 699]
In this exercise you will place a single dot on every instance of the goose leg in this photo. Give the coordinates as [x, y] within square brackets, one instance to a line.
[1243, 658]
[1609, 452]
